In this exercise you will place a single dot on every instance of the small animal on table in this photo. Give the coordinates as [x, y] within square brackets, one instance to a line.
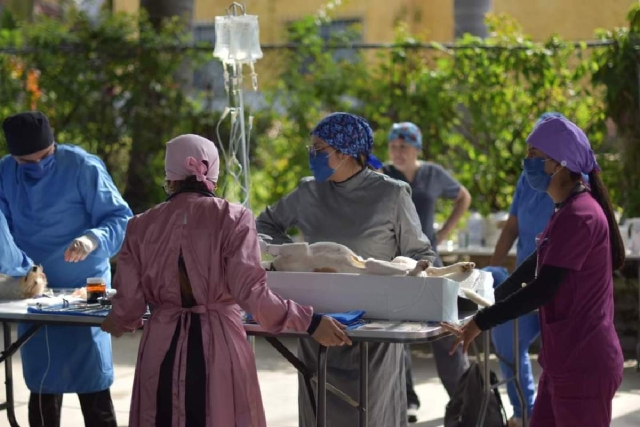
[329, 257]
[34, 283]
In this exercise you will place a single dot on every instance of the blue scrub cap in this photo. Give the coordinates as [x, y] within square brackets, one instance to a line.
[408, 132]
[349, 134]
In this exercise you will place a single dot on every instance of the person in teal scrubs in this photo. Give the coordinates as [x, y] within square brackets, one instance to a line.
[65, 213]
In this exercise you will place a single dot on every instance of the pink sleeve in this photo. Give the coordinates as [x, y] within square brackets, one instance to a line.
[247, 282]
[567, 243]
[129, 303]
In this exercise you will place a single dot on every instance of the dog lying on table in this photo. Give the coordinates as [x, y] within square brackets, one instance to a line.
[329, 257]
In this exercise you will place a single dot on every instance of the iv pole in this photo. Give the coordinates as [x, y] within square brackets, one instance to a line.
[233, 84]
[236, 85]
[235, 48]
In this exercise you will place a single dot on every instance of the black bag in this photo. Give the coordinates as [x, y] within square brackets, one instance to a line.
[463, 410]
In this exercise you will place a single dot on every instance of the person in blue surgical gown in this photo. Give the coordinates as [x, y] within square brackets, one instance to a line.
[65, 213]
[13, 262]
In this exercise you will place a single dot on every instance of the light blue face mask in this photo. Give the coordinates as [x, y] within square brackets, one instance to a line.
[39, 169]
[538, 179]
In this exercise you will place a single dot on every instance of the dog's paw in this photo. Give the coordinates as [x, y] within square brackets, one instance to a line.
[423, 264]
[420, 268]
[466, 267]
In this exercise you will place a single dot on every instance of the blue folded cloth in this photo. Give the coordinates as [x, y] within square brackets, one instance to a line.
[348, 318]
[351, 319]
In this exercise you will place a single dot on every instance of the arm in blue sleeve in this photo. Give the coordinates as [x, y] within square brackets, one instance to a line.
[109, 212]
[513, 210]
[13, 262]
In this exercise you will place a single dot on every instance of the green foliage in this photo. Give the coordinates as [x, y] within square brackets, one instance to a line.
[107, 86]
[617, 69]
[110, 86]
[475, 104]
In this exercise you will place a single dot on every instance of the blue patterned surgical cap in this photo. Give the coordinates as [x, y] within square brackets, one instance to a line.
[349, 134]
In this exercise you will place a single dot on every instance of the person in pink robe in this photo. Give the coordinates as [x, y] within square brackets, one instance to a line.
[195, 260]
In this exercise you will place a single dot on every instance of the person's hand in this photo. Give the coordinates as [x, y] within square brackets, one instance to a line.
[330, 333]
[79, 249]
[464, 335]
[110, 327]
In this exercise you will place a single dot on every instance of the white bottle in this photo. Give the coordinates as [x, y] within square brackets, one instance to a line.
[475, 229]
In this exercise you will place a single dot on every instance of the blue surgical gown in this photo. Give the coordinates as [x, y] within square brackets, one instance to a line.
[76, 197]
[13, 262]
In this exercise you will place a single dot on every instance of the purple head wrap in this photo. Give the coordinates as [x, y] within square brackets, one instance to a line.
[566, 143]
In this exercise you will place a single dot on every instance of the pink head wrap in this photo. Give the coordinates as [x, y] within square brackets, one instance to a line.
[192, 155]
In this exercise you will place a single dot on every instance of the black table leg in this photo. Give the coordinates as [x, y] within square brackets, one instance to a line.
[321, 412]
[5, 356]
[363, 408]
[307, 375]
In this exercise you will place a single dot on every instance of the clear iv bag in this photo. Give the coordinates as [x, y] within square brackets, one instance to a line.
[244, 43]
[223, 38]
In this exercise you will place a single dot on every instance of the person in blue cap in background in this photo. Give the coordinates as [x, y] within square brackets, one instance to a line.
[528, 216]
[429, 182]
[65, 213]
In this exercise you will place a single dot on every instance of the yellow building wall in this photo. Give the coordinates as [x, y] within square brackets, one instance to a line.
[571, 19]
[128, 6]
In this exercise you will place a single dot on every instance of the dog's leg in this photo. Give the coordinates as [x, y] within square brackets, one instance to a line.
[475, 297]
[383, 268]
[422, 265]
[459, 267]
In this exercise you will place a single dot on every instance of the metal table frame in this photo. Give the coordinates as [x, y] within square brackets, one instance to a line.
[515, 366]
[319, 376]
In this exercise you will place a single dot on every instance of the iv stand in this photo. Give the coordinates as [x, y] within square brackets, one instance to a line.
[238, 100]
[236, 85]
[236, 89]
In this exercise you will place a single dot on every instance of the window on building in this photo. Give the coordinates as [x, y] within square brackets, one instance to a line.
[343, 31]
[209, 76]
[339, 32]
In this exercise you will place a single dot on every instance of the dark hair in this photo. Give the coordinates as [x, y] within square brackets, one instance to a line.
[189, 183]
[600, 193]
[363, 161]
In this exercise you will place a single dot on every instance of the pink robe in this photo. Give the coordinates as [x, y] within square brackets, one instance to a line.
[222, 256]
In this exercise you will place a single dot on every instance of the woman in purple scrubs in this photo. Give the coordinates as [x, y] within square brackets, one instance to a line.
[570, 279]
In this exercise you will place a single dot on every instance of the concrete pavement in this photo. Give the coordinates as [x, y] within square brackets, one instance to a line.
[278, 382]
